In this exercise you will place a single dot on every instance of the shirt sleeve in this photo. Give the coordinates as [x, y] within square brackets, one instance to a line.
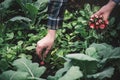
[116, 1]
[56, 9]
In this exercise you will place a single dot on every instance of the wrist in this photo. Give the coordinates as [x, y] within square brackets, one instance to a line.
[112, 4]
[51, 33]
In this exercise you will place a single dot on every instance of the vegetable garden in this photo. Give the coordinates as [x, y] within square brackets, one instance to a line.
[79, 52]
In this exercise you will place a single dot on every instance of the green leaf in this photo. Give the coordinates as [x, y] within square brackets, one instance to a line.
[87, 64]
[19, 18]
[98, 47]
[113, 33]
[1, 40]
[106, 52]
[87, 10]
[81, 57]
[10, 35]
[102, 49]
[38, 3]
[6, 3]
[107, 73]
[112, 56]
[27, 66]
[115, 53]
[60, 72]
[111, 21]
[30, 48]
[14, 75]
[91, 51]
[20, 43]
[3, 64]
[87, 7]
[95, 8]
[72, 74]
[25, 56]
[82, 12]
[32, 11]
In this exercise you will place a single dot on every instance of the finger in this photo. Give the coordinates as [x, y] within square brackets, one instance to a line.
[46, 52]
[92, 16]
[96, 14]
[39, 51]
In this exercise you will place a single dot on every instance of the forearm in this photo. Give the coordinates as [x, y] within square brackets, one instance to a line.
[56, 9]
[111, 4]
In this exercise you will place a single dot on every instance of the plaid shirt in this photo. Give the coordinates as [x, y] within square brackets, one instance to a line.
[56, 9]
[116, 1]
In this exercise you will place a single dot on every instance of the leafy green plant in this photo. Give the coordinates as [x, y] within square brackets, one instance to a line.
[33, 10]
[67, 73]
[23, 70]
[19, 30]
[98, 62]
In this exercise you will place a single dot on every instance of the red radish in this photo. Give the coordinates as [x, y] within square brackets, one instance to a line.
[92, 26]
[97, 23]
[100, 21]
[102, 26]
[106, 22]
[96, 27]
[92, 20]
[101, 16]
[96, 16]
[42, 63]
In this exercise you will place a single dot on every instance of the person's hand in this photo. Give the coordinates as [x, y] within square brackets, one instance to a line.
[46, 44]
[105, 10]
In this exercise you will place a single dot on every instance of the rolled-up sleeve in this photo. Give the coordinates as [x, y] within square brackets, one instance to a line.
[116, 1]
[56, 9]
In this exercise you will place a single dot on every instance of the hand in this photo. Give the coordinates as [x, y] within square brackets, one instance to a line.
[106, 10]
[46, 44]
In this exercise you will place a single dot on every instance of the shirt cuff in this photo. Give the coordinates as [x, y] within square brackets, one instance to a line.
[116, 1]
[54, 23]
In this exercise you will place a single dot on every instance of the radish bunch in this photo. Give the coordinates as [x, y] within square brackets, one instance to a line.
[97, 22]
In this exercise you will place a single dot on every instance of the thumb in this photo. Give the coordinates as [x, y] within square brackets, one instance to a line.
[46, 51]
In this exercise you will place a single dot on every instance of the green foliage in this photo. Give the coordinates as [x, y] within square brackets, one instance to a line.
[33, 10]
[6, 3]
[26, 66]
[22, 25]
[19, 18]
[81, 57]
[72, 74]
[99, 62]
[3, 64]
[83, 61]
[25, 70]
[12, 75]
[106, 73]
[18, 31]
[67, 73]
[107, 55]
